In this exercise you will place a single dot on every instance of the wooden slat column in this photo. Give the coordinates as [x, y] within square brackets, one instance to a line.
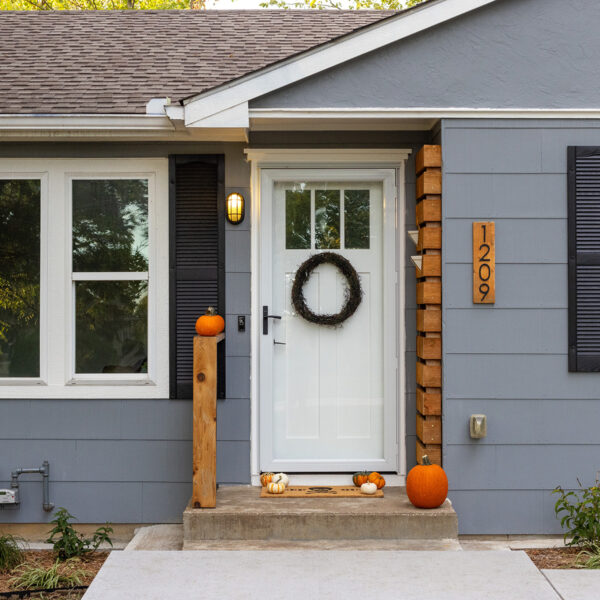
[204, 491]
[429, 301]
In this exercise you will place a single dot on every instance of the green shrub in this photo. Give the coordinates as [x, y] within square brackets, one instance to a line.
[590, 558]
[579, 514]
[11, 553]
[35, 577]
[67, 543]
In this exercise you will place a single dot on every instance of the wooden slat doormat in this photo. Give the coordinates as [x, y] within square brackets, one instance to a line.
[333, 491]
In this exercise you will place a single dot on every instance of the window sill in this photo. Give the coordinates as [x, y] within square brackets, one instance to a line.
[86, 389]
[24, 381]
[112, 381]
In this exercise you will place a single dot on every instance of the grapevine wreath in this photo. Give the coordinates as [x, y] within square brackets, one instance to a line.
[353, 291]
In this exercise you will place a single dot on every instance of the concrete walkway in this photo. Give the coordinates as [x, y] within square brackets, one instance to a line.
[304, 575]
[575, 584]
[481, 567]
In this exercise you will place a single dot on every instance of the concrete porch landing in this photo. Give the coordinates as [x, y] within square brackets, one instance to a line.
[242, 515]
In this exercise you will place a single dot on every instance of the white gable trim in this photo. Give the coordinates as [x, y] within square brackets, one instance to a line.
[329, 55]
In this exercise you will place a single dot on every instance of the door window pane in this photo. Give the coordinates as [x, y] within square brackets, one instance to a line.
[20, 278]
[356, 219]
[297, 219]
[111, 327]
[327, 219]
[110, 225]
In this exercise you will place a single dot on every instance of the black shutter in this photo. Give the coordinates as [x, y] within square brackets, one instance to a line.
[197, 260]
[584, 258]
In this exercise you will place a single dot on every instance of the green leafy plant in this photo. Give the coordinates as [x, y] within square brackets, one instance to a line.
[589, 558]
[11, 553]
[67, 543]
[579, 514]
[35, 577]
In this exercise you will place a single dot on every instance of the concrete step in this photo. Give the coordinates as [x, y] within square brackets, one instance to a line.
[242, 515]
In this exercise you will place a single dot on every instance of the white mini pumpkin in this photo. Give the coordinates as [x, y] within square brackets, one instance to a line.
[281, 478]
[368, 488]
[275, 488]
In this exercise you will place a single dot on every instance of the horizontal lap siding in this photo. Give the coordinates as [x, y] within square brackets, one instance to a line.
[509, 361]
[129, 461]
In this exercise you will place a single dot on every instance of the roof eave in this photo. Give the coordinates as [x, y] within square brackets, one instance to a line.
[239, 92]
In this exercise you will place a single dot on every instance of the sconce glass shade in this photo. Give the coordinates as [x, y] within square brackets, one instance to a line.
[235, 208]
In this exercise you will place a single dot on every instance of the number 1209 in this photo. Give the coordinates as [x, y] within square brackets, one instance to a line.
[484, 263]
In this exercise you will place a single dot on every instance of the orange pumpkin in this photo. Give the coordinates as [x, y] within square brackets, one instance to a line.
[427, 485]
[266, 478]
[210, 323]
[359, 478]
[377, 479]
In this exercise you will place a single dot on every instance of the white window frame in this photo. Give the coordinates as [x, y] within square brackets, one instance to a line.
[57, 303]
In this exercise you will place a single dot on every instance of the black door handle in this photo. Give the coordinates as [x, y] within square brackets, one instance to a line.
[266, 317]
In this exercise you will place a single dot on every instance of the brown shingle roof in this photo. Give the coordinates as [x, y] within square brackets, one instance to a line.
[115, 61]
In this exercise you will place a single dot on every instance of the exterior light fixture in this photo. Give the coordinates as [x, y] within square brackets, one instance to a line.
[235, 208]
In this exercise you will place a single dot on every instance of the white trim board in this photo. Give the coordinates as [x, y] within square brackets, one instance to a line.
[270, 114]
[325, 157]
[395, 119]
[326, 56]
[100, 127]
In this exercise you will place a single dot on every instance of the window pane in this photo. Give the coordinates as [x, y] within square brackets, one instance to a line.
[110, 225]
[327, 219]
[297, 219]
[356, 219]
[19, 278]
[111, 327]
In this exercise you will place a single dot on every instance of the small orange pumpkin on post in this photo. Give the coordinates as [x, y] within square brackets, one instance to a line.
[377, 479]
[210, 323]
[427, 485]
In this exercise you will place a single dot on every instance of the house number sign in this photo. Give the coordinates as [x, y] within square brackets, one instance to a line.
[484, 262]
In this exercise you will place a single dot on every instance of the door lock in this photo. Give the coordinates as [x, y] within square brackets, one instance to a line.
[266, 317]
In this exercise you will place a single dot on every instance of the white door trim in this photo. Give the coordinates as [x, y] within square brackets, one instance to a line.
[336, 158]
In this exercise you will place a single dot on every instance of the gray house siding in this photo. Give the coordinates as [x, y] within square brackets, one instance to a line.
[510, 54]
[131, 460]
[509, 360]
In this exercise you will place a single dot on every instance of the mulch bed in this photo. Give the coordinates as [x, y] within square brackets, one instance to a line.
[46, 558]
[553, 558]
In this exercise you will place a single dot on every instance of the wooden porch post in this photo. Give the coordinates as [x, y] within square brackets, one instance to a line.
[429, 300]
[204, 494]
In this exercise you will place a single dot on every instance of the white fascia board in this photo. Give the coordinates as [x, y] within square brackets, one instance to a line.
[236, 116]
[329, 55]
[175, 112]
[85, 122]
[332, 114]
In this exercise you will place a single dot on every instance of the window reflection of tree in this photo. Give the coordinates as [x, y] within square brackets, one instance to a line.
[356, 219]
[327, 219]
[110, 234]
[19, 278]
[297, 220]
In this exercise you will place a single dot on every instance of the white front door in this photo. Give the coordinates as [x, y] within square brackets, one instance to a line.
[328, 395]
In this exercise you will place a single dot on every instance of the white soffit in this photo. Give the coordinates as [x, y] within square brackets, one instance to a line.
[329, 55]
